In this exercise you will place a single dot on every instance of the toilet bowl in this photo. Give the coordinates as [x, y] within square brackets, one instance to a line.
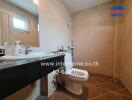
[74, 77]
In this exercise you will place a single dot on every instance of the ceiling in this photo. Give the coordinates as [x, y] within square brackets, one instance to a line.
[73, 5]
[27, 5]
[78, 5]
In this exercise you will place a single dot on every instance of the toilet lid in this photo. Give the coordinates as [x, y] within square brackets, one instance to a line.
[78, 73]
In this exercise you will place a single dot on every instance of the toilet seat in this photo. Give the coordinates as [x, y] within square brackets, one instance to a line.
[77, 74]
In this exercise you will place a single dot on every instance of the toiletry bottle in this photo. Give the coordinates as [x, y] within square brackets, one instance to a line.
[58, 49]
[2, 51]
[6, 44]
[6, 47]
[68, 49]
[62, 49]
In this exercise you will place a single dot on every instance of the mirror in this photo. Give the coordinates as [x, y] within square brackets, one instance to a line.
[19, 22]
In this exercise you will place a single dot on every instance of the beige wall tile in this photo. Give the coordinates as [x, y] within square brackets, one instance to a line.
[126, 48]
[94, 37]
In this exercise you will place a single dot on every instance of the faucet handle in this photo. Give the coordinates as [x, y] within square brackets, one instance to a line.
[28, 50]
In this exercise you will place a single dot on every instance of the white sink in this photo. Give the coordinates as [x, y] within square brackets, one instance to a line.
[25, 57]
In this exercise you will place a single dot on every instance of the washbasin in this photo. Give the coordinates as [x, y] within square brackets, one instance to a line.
[34, 55]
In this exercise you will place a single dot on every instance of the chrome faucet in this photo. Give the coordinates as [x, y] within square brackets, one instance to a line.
[28, 50]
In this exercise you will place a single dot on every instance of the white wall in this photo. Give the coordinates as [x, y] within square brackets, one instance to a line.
[54, 18]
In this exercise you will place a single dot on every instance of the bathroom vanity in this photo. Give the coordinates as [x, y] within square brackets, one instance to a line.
[15, 75]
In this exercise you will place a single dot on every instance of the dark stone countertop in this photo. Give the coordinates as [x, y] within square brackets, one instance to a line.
[9, 64]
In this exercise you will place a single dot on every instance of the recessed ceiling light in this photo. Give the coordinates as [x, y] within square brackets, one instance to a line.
[36, 1]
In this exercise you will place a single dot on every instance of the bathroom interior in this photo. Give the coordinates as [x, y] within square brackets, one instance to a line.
[93, 44]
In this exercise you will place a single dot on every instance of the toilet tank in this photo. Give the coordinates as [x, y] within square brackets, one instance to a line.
[68, 60]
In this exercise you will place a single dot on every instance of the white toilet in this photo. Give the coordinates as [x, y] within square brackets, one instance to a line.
[73, 76]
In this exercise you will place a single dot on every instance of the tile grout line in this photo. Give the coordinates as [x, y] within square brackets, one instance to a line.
[105, 93]
[102, 84]
[123, 95]
[110, 90]
[99, 96]
[103, 81]
[104, 89]
[115, 92]
[98, 84]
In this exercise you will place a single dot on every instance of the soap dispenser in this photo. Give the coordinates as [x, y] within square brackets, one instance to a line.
[18, 48]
